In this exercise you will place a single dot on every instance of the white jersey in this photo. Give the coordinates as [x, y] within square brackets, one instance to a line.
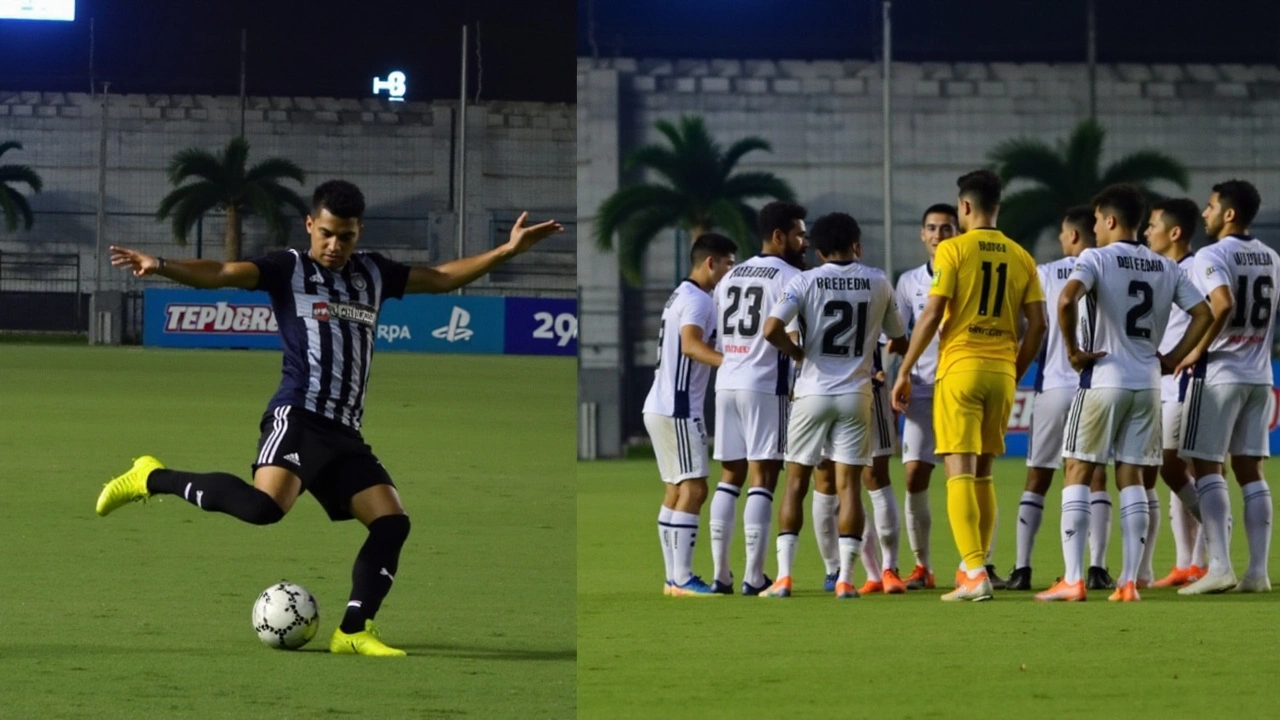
[1131, 290]
[744, 298]
[911, 294]
[679, 383]
[1173, 332]
[1054, 370]
[842, 307]
[1250, 271]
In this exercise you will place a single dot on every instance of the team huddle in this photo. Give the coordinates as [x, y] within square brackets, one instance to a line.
[1149, 357]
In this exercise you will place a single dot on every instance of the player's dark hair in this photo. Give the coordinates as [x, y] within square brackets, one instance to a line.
[834, 233]
[1241, 196]
[1180, 212]
[713, 245]
[779, 215]
[941, 209]
[1080, 218]
[341, 198]
[982, 188]
[1124, 201]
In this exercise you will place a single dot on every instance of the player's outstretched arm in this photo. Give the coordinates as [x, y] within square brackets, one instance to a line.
[693, 346]
[775, 332]
[206, 274]
[1199, 333]
[1037, 325]
[1069, 324]
[464, 271]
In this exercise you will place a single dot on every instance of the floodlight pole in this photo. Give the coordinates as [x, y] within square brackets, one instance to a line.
[1093, 60]
[100, 226]
[886, 87]
[244, 52]
[461, 200]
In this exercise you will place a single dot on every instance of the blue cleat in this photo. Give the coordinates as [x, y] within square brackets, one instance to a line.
[694, 587]
[720, 588]
[829, 584]
[753, 591]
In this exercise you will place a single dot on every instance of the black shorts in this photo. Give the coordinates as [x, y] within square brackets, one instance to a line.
[332, 460]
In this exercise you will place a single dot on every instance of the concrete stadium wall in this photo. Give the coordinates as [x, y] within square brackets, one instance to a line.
[825, 124]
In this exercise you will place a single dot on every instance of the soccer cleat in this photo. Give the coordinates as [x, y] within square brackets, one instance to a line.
[780, 588]
[870, 587]
[1249, 584]
[892, 584]
[920, 579]
[1019, 579]
[751, 590]
[1064, 591]
[1127, 592]
[997, 582]
[846, 591]
[1143, 583]
[967, 588]
[829, 582]
[720, 588]
[367, 642]
[1099, 579]
[1195, 572]
[693, 587]
[1177, 577]
[129, 487]
[1210, 583]
[666, 588]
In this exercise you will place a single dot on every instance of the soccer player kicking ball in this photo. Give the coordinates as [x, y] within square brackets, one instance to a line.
[1117, 407]
[673, 410]
[982, 283]
[843, 305]
[1229, 405]
[326, 301]
[753, 394]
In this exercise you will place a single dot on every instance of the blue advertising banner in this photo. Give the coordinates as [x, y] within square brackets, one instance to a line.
[541, 326]
[442, 324]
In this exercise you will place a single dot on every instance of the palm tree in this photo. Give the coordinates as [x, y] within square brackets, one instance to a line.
[1068, 175]
[12, 203]
[700, 192]
[224, 184]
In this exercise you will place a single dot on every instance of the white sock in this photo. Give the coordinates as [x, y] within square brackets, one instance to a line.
[1099, 528]
[871, 550]
[1145, 570]
[724, 509]
[1075, 525]
[919, 524]
[1257, 525]
[1184, 527]
[664, 536]
[786, 553]
[850, 546]
[684, 535]
[1190, 499]
[885, 507]
[755, 526]
[825, 529]
[995, 533]
[1215, 513]
[1135, 519]
[1030, 513]
[1199, 555]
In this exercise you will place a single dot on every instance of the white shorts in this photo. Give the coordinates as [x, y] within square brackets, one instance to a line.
[1228, 418]
[750, 425]
[1107, 422]
[680, 445]
[918, 440]
[884, 439]
[1170, 424]
[844, 420]
[1048, 419]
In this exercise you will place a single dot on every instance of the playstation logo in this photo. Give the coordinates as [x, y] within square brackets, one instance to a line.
[457, 328]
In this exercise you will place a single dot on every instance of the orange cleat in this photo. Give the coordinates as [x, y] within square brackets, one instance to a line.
[1063, 590]
[780, 588]
[975, 589]
[1195, 572]
[870, 587]
[1177, 577]
[920, 579]
[893, 584]
[845, 591]
[1127, 592]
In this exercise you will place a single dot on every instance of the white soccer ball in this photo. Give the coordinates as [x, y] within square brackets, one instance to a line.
[286, 616]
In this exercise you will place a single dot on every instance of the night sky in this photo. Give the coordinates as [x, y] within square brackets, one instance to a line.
[193, 46]
[1177, 31]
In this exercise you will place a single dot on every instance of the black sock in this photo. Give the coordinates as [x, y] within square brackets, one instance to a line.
[375, 569]
[217, 492]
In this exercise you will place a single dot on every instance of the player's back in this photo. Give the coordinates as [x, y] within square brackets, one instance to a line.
[744, 298]
[1251, 271]
[1131, 292]
[843, 308]
[1055, 369]
[988, 277]
[912, 292]
[1179, 320]
[679, 382]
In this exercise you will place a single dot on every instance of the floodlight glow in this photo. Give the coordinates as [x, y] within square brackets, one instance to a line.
[38, 10]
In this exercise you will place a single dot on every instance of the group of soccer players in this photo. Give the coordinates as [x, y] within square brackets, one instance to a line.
[1150, 357]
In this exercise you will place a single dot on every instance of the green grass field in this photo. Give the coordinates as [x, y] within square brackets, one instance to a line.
[642, 655]
[145, 614]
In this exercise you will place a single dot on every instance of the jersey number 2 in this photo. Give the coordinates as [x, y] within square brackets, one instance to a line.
[1139, 312]
[984, 300]
[843, 310]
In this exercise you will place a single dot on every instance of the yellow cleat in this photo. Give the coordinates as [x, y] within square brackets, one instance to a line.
[129, 487]
[367, 642]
